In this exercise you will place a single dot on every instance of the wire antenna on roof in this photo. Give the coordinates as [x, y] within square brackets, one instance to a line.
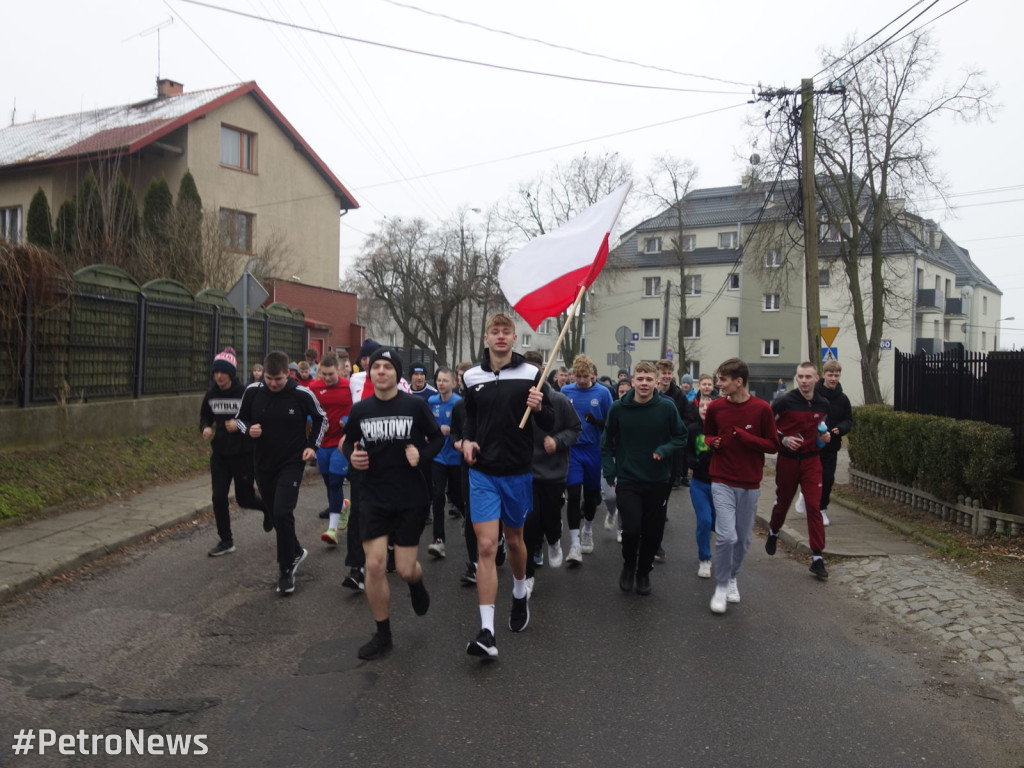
[147, 32]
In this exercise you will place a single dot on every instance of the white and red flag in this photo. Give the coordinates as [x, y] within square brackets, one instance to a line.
[545, 276]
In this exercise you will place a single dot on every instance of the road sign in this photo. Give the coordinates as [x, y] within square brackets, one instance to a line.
[829, 353]
[623, 334]
[669, 354]
[828, 335]
[885, 344]
[632, 347]
[635, 337]
[246, 296]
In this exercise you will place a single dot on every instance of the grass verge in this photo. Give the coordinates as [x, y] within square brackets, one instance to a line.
[35, 483]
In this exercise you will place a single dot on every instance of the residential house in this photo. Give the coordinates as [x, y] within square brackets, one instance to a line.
[742, 277]
[250, 165]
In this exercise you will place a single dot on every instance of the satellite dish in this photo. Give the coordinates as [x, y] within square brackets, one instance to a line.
[755, 159]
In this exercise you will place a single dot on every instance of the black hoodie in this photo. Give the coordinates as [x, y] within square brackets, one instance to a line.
[220, 406]
[840, 414]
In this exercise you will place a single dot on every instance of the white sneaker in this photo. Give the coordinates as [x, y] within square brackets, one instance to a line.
[586, 542]
[437, 548]
[824, 518]
[609, 522]
[704, 569]
[555, 554]
[575, 556]
[732, 592]
[718, 600]
[529, 586]
[618, 536]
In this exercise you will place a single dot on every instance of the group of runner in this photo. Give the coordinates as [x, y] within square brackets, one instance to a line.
[405, 449]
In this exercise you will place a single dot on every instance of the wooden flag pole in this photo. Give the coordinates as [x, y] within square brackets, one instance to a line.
[558, 343]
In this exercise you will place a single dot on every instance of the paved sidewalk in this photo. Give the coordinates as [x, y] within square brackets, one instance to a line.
[978, 623]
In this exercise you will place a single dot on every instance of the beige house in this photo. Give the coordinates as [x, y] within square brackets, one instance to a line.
[745, 294]
[249, 163]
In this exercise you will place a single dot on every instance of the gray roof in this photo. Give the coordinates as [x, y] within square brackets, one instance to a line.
[729, 206]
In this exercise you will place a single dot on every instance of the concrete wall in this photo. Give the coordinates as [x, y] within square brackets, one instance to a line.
[100, 420]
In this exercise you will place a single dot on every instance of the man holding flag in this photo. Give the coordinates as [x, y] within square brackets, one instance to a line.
[499, 454]
[544, 277]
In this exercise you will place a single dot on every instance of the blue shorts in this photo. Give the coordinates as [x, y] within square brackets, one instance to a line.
[585, 466]
[331, 461]
[509, 497]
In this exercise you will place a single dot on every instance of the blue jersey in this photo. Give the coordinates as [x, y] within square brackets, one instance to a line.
[442, 410]
[596, 401]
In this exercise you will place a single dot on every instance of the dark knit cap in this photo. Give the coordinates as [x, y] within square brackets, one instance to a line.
[369, 347]
[383, 353]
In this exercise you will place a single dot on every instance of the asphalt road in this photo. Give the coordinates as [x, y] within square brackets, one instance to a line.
[165, 639]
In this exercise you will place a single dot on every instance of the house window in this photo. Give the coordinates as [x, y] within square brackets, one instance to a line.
[10, 224]
[984, 305]
[652, 328]
[692, 284]
[726, 240]
[236, 230]
[771, 302]
[527, 339]
[824, 278]
[236, 148]
[830, 233]
[734, 281]
[769, 347]
[691, 328]
[653, 245]
[732, 325]
[392, 339]
[545, 327]
[689, 243]
[773, 259]
[652, 286]
[984, 341]
[693, 368]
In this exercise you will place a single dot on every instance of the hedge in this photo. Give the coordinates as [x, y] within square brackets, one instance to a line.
[946, 457]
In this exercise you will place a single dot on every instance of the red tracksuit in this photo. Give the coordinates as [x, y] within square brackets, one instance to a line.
[796, 415]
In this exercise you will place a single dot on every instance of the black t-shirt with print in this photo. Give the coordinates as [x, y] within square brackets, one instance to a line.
[385, 428]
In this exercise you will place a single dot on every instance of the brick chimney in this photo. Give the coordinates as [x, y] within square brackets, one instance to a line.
[166, 88]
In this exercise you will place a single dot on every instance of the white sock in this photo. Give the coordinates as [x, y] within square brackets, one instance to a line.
[334, 519]
[574, 537]
[815, 557]
[487, 618]
[518, 588]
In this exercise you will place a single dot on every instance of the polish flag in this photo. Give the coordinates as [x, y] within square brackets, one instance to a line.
[543, 278]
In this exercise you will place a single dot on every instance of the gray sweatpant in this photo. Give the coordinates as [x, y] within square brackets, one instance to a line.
[735, 510]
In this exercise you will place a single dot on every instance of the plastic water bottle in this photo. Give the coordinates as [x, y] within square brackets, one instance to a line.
[822, 429]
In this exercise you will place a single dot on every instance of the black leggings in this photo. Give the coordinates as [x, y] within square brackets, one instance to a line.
[223, 471]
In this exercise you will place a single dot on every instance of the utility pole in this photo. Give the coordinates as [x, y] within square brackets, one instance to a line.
[810, 224]
[664, 320]
[808, 203]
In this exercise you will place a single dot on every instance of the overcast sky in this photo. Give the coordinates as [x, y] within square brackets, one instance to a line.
[413, 135]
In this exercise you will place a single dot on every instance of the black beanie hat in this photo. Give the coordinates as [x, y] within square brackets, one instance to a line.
[386, 354]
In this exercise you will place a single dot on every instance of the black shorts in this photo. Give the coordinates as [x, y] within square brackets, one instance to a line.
[405, 523]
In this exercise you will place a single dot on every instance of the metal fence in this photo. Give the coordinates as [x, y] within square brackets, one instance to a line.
[965, 385]
[110, 337]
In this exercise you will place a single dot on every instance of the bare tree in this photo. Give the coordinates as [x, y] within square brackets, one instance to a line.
[667, 186]
[872, 154]
[547, 202]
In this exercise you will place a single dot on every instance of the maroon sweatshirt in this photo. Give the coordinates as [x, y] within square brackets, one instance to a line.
[748, 432]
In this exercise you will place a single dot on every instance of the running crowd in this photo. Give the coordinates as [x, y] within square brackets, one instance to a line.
[507, 450]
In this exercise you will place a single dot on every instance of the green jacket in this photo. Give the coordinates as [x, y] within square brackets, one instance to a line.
[634, 432]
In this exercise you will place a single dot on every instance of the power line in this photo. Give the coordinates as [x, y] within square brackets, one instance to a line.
[570, 49]
[199, 37]
[876, 34]
[455, 59]
[559, 146]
